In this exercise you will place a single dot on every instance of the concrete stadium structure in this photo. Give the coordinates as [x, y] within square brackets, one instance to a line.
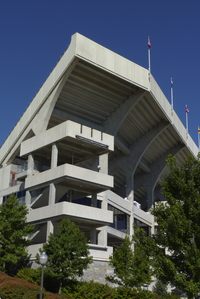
[92, 146]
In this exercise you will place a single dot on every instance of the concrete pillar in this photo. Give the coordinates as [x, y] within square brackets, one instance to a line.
[104, 203]
[30, 165]
[130, 197]
[93, 236]
[28, 198]
[54, 156]
[103, 163]
[52, 194]
[50, 229]
[94, 200]
[152, 229]
[102, 236]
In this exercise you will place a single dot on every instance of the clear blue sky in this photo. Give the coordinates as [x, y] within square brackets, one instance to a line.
[34, 34]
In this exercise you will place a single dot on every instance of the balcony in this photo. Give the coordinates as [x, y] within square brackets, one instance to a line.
[74, 176]
[76, 212]
[99, 253]
[82, 137]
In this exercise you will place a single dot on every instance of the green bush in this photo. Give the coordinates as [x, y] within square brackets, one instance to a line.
[94, 290]
[51, 284]
[7, 293]
[129, 293]
[80, 290]
[89, 290]
[29, 274]
[17, 293]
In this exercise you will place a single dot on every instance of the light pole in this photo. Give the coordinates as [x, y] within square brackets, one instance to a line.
[43, 260]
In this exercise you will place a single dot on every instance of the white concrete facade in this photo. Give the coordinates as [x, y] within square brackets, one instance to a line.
[92, 147]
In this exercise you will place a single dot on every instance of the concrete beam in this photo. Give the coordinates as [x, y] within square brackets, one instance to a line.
[121, 145]
[138, 149]
[115, 121]
[150, 180]
[42, 118]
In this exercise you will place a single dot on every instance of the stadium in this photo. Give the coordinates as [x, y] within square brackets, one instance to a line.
[92, 147]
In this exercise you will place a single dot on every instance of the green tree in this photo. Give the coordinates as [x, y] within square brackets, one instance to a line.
[68, 252]
[13, 236]
[177, 251]
[132, 268]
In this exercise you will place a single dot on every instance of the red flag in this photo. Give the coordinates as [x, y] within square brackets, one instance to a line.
[149, 43]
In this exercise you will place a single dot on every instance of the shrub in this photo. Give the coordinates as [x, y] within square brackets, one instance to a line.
[89, 290]
[29, 274]
[10, 293]
[51, 284]
[130, 293]
[94, 290]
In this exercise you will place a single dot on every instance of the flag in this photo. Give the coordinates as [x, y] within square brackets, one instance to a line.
[198, 130]
[186, 109]
[149, 43]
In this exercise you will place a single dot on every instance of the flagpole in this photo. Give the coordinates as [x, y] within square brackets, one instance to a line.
[172, 94]
[186, 119]
[149, 54]
[149, 59]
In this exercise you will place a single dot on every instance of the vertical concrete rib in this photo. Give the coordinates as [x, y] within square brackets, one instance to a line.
[54, 156]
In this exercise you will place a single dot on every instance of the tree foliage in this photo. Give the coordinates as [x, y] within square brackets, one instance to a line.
[132, 268]
[13, 236]
[177, 254]
[68, 253]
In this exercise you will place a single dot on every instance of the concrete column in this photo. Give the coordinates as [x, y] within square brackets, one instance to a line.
[102, 236]
[28, 198]
[93, 236]
[54, 156]
[103, 163]
[52, 194]
[104, 203]
[50, 229]
[94, 200]
[152, 229]
[30, 165]
[130, 197]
